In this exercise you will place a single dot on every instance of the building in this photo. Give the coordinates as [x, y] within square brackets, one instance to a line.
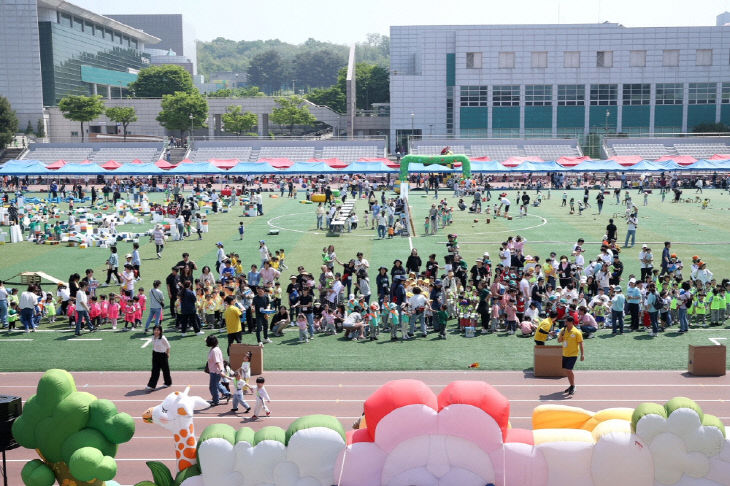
[556, 80]
[52, 48]
[177, 38]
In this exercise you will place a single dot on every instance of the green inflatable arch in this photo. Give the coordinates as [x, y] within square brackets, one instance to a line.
[447, 160]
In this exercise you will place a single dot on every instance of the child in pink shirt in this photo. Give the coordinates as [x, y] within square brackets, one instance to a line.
[71, 312]
[123, 302]
[494, 317]
[510, 311]
[104, 309]
[142, 305]
[94, 312]
[114, 309]
[130, 313]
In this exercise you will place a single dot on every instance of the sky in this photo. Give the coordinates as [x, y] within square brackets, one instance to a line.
[346, 22]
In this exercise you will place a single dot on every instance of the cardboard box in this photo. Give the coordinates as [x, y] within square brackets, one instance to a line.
[238, 351]
[548, 361]
[707, 360]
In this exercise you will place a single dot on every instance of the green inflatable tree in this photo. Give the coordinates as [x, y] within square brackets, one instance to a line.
[75, 434]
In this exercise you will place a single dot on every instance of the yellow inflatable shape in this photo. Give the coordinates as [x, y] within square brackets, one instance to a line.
[318, 198]
[304, 201]
[543, 436]
[559, 417]
[608, 414]
[611, 426]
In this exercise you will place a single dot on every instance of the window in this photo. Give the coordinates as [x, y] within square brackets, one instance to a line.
[725, 93]
[134, 44]
[604, 58]
[65, 20]
[571, 95]
[637, 94]
[669, 93]
[702, 94]
[538, 95]
[474, 96]
[637, 58]
[473, 60]
[604, 95]
[78, 24]
[506, 95]
[571, 59]
[506, 60]
[704, 57]
[539, 59]
[670, 58]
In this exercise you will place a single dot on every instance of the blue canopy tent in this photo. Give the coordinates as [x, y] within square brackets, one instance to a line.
[79, 169]
[644, 166]
[196, 168]
[137, 169]
[24, 167]
[597, 166]
[705, 165]
[418, 167]
[532, 166]
[668, 165]
[245, 168]
[720, 164]
[368, 168]
[488, 166]
[310, 168]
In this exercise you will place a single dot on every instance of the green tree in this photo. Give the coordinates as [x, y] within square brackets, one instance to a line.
[317, 69]
[247, 92]
[234, 120]
[76, 434]
[711, 128]
[122, 114]
[292, 111]
[157, 81]
[267, 70]
[177, 108]
[28, 128]
[8, 123]
[40, 129]
[372, 84]
[81, 109]
[332, 97]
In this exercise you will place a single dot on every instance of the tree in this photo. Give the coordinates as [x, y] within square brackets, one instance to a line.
[711, 128]
[291, 111]
[372, 83]
[267, 70]
[332, 97]
[40, 129]
[317, 69]
[177, 108]
[248, 92]
[81, 109]
[76, 434]
[28, 128]
[8, 123]
[234, 120]
[157, 81]
[122, 114]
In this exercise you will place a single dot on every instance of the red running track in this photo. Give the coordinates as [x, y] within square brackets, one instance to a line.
[342, 394]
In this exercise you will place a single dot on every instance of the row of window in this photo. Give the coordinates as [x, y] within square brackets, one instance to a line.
[604, 59]
[599, 94]
[95, 30]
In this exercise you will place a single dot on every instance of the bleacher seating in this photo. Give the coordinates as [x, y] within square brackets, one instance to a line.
[99, 153]
[501, 149]
[288, 152]
[251, 150]
[351, 152]
[655, 147]
[203, 154]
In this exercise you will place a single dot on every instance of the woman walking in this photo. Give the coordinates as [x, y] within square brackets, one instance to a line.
[215, 368]
[158, 235]
[112, 266]
[157, 303]
[160, 359]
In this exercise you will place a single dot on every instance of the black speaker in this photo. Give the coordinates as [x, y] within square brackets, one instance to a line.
[10, 409]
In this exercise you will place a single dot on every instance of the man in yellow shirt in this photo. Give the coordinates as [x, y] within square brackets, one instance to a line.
[232, 316]
[572, 339]
[544, 329]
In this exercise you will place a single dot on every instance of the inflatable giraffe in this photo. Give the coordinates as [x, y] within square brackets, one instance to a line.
[175, 414]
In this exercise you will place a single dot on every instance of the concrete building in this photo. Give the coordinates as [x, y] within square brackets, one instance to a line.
[556, 80]
[52, 48]
[175, 35]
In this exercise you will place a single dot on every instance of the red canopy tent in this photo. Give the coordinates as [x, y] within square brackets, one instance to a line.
[136, 161]
[678, 159]
[278, 162]
[390, 163]
[163, 164]
[224, 163]
[333, 162]
[481, 159]
[111, 165]
[571, 161]
[720, 157]
[515, 161]
[56, 165]
[627, 160]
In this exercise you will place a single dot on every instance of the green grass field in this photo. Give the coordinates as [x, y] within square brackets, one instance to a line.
[547, 228]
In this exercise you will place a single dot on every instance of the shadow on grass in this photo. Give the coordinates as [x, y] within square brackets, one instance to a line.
[558, 395]
[644, 337]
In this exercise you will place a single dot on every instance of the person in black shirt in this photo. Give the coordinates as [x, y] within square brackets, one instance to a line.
[383, 284]
[478, 272]
[187, 310]
[172, 281]
[187, 262]
[305, 305]
[618, 269]
[260, 303]
[413, 264]
[397, 268]
[611, 230]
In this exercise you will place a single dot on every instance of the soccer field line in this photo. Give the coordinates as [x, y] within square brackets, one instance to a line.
[432, 385]
[705, 243]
